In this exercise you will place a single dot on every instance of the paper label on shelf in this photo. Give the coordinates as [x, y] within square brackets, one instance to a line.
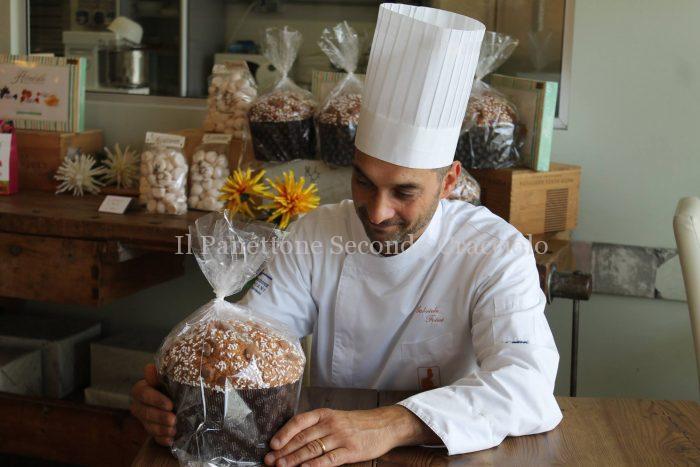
[216, 138]
[5, 148]
[115, 204]
[165, 139]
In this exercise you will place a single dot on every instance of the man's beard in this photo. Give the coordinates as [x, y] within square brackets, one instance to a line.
[404, 236]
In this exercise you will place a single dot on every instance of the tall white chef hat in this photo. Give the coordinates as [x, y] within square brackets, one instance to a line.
[417, 86]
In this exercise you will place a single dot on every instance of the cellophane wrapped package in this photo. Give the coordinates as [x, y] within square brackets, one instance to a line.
[232, 91]
[339, 114]
[467, 189]
[163, 181]
[208, 172]
[234, 376]
[281, 121]
[490, 136]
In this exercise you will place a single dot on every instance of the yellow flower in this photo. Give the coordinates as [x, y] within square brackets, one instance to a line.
[290, 199]
[240, 191]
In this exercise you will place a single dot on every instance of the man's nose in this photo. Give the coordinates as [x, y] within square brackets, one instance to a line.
[379, 209]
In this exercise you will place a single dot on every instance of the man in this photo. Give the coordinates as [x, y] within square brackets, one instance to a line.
[410, 291]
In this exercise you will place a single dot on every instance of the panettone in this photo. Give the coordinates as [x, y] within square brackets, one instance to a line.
[233, 353]
[234, 383]
[282, 126]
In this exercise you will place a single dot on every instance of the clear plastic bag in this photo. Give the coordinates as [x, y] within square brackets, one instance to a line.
[490, 137]
[234, 376]
[467, 189]
[163, 182]
[232, 91]
[339, 114]
[281, 121]
[208, 172]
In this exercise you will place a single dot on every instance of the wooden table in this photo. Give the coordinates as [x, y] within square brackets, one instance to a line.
[593, 432]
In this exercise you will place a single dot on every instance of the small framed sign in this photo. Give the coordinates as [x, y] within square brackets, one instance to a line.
[43, 93]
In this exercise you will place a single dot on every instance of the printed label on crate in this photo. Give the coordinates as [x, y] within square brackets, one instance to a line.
[216, 138]
[5, 151]
[165, 139]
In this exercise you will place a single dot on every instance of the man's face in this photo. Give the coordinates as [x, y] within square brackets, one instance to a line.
[395, 204]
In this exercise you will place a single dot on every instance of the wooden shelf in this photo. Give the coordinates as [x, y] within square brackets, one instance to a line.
[41, 213]
[59, 248]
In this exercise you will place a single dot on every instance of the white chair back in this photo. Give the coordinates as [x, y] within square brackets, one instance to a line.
[686, 226]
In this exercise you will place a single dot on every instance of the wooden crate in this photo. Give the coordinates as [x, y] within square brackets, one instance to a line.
[533, 202]
[42, 152]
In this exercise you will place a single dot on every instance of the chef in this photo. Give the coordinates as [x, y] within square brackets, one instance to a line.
[410, 291]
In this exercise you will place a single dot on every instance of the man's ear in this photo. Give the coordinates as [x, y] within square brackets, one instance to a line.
[449, 181]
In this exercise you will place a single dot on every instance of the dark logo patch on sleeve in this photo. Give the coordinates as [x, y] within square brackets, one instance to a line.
[262, 283]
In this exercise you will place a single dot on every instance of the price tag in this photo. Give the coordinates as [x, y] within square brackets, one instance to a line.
[115, 204]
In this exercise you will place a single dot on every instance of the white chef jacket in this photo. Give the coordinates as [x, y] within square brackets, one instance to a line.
[460, 310]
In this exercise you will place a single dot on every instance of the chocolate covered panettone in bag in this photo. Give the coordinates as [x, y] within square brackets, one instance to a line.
[233, 374]
[281, 121]
[339, 114]
[491, 137]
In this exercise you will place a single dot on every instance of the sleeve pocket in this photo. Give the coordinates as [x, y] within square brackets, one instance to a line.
[507, 304]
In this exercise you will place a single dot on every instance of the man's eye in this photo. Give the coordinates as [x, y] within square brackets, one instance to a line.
[405, 194]
[363, 182]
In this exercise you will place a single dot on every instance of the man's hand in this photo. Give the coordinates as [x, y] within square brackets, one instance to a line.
[326, 437]
[153, 408]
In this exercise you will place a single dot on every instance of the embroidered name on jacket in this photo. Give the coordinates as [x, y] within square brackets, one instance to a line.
[432, 315]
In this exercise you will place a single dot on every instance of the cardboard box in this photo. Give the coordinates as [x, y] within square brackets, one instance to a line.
[42, 152]
[117, 363]
[20, 371]
[64, 346]
[533, 202]
[120, 359]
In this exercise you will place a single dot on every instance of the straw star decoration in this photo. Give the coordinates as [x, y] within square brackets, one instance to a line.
[242, 191]
[290, 199]
[121, 167]
[79, 174]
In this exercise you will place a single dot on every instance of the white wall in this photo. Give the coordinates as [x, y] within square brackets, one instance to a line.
[12, 26]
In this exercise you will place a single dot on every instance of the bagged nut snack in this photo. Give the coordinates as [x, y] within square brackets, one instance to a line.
[281, 121]
[163, 181]
[490, 136]
[208, 171]
[339, 114]
[231, 92]
[234, 376]
[467, 189]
